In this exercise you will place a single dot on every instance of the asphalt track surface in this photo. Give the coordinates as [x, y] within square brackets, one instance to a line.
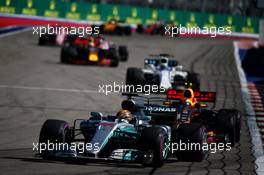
[34, 87]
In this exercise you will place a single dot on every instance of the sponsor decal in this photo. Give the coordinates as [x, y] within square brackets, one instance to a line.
[7, 8]
[160, 109]
[73, 14]
[51, 12]
[93, 15]
[29, 10]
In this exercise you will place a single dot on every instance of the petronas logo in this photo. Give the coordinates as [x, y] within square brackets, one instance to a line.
[8, 2]
[73, 7]
[115, 11]
[94, 9]
[29, 3]
[134, 12]
[52, 5]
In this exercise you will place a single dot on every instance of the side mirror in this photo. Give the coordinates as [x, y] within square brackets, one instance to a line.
[96, 116]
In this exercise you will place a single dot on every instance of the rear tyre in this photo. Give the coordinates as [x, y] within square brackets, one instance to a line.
[67, 54]
[118, 31]
[127, 30]
[140, 29]
[229, 121]
[54, 131]
[196, 134]
[135, 76]
[123, 53]
[153, 141]
[114, 57]
[179, 82]
[101, 29]
[63, 56]
[114, 63]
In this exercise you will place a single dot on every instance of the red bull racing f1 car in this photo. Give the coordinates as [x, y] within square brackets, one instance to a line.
[93, 51]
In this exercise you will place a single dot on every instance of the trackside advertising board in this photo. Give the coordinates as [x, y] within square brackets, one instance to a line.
[132, 15]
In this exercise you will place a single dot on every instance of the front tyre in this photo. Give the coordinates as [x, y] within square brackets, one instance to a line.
[127, 30]
[135, 76]
[153, 141]
[53, 131]
[229, 121]
[113, 57]
[196, 135]
[123, 53]
[68, 54]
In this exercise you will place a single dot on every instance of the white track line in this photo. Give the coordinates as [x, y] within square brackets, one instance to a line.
[48, 89]
[251, 119]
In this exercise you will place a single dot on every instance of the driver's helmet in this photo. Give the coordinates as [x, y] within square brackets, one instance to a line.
[124, 114]
[164, 62]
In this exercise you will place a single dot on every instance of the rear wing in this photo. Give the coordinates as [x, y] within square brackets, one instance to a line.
[209, 97]
[200, 96]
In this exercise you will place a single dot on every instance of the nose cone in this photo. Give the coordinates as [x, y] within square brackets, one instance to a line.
[165, 79]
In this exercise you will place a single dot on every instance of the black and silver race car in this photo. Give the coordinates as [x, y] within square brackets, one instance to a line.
[108, 138]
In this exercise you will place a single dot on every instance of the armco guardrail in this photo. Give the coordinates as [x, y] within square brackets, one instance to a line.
[132, 15]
